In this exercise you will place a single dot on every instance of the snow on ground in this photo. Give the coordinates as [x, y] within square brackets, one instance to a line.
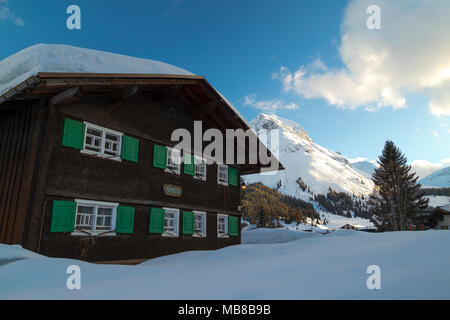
[63, 58]
[414, 265]
[438, 201]
[13, 253]
[278, 235]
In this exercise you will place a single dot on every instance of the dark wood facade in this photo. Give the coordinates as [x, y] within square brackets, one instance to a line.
[37, 169]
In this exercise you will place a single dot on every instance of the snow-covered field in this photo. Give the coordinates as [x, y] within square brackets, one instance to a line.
[414, 265]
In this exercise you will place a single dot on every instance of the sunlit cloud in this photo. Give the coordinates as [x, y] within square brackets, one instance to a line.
[424, 168]
[409, 55]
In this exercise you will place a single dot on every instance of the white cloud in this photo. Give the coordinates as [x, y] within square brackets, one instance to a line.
[435, 133]
[410, 54]
[424, 168]
[7, 14]
[268, 105]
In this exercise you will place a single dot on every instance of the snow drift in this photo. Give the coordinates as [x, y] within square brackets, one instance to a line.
[329, 266]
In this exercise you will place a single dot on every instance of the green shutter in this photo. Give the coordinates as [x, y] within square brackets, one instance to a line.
[189, 164]
[73, 134]
[233, 226]
[188, 222]
[130, 149]
[63, 216]
[232, 176]
[156, 220]
[159, 157]
[125, 219]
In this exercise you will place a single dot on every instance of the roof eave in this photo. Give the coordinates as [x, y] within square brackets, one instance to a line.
[40, 77]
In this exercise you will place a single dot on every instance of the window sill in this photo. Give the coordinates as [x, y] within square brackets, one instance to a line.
[199, 236]
[199, 178]
[171, 171]
[169, 235]
[223, 184]
[78, 234]
[224, 236]
[103, 156]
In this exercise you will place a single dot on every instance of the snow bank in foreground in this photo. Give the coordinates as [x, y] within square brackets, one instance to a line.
[63, 58]
[15, 252]
[414, 265]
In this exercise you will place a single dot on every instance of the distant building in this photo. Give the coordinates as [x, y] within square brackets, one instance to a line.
[437, 218]
[358, 227]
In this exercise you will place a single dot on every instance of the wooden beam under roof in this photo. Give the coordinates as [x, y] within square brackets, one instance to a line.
[65, 97]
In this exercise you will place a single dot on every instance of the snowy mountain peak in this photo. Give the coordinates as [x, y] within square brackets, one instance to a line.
[289, 129]
[318, 167]
[440, 178]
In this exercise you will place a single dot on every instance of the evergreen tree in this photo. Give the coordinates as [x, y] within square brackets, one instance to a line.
[261, 218]
[397, 197]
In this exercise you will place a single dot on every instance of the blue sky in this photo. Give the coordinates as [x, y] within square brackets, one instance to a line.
[240, 46]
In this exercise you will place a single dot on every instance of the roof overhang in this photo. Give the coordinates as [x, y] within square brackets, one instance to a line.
[205, 103]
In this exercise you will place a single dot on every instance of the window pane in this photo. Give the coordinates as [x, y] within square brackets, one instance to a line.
[85, 217]
[94, 132]
[104, 218]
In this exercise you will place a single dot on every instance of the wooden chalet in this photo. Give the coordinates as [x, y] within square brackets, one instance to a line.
[85, 168]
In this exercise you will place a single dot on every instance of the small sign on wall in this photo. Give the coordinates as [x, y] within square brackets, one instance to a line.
[172, 190]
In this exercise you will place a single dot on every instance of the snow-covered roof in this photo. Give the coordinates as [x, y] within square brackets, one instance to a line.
[53, 65]
[69, 59]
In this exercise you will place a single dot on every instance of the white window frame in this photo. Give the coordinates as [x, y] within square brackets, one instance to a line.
[176, 231]
[202, 233]
[104, 131]
[96, 205]
[224, 183]
[219, 234]
[169, 153]
[198, 160]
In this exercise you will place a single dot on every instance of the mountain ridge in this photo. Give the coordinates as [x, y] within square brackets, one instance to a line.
[318, 167]
[437, 179]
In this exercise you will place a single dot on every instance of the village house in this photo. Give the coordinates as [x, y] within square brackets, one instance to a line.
[87, 166]
[358, 227]
[436, 218]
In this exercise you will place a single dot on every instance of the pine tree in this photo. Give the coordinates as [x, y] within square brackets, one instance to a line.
[397, 196]
[261, 218]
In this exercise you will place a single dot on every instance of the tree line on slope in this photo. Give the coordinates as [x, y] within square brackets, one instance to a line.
[343, 204]
[266, 207]
[436, 191]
